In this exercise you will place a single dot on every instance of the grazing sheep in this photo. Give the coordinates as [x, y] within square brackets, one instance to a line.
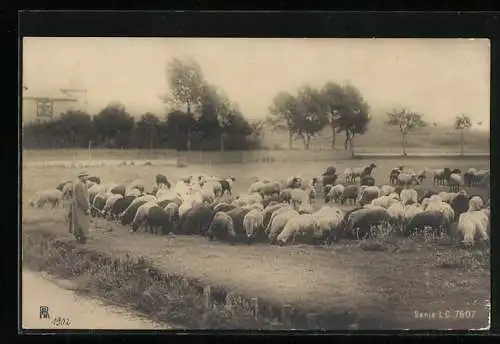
[270, 210]
[141, 216]
[223, 206]
[454, 181]
[110, 203]
[410, 211]
[408, 196]
[368, 180]
[128, 215]
[384, 201]
[460, 203]
[475, 203]
[119, 190]
[438, 177]
[60, 186]
[221, 227]
[157, 220]
[120, 205]
[359, 221]
[197, 220]
[94, 179]
[397, 215]
[351, 193]
[278, 222]
[269, 189]
[172, 210]
[426, 219]
[406, 179]
[448, 196]
[329, 179]
[227, 185]
[253, 224]
[297, 225]
[386, 190]
[473, 224]
[328, 224]
[334, 192]
[43, 197]
[368, 194]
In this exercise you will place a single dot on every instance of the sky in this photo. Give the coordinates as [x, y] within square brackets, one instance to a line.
[439, 78]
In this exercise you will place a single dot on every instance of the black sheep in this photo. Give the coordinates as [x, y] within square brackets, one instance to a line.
[433, 219]
[330, 179]
[97, 206]
[460, 204]
[129, 214]
[368, 181]
[197, 220]
[158, 220]
[121, 205]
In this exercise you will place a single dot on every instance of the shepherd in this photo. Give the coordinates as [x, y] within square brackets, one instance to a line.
[79, 210]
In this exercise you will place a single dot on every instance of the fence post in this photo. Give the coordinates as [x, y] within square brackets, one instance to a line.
[207, 296]
[286, 315]
[229, 301]
[255, 303]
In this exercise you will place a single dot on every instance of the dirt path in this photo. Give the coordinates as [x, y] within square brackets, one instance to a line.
[77, 312]
[384, 288]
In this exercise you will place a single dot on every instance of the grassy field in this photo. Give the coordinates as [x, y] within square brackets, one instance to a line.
[380, 137]
[379, 289]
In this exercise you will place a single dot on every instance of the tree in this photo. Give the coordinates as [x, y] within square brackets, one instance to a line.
[178, 126]
[77, 128]
[462, 123]
[407, 121]
[186, 82]
[114, 126]
[334, 98]
[353, 116]
[147, 131]
[309, 116]
[281, 114]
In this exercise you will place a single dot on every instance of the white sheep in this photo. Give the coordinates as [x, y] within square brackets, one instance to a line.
[386, 190]
[384, 201]
[49, 196]
[408, 196]
[397, 214]
[110, 202]
[471, 224]
[455, 181]
[133, 192]
[277, 223]
[141, 215]
[447, 196]
[410, 211]
[335, 193]
[253, 222]
[299, 224]
[475, 203]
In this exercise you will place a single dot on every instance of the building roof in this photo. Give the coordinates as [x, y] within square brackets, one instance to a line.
[54, 95]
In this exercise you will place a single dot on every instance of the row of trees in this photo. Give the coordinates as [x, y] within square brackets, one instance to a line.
[307, 113]
[200, 117]
[343, 109]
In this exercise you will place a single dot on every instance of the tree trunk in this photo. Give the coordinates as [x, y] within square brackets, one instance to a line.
[346, 142]
[461, 142]
[290, 140]
[222, 142]
[404, 144]
[351, 145]
[334, 135]
[307, 142]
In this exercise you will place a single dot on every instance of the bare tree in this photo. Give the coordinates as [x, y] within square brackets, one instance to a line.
[407, 121]
[462, 123]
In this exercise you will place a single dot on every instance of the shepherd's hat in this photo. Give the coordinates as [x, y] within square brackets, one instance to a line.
[82, 174]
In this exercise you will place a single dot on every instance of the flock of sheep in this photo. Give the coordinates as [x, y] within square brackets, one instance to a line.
[284, 211]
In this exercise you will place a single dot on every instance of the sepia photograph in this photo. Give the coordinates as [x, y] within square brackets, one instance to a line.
[255, 183]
